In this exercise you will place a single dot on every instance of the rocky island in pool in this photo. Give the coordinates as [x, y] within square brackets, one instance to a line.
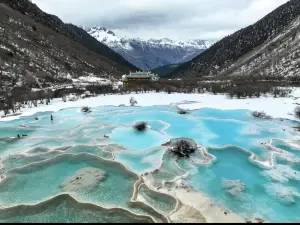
[93, 166]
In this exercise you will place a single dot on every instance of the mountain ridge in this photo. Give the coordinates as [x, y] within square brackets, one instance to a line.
[150, 53]
[38, 51]
[30, 9]
[163, 70]
[222, 56]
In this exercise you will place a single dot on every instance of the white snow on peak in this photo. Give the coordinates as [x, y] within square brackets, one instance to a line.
[110, 39]
[102, 34]
[151, 53]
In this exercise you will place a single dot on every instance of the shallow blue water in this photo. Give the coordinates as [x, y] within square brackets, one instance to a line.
[141, 162]
[285, 146]
[257, 199]
[39, 182]
[208, 127]
[132, 140]
[242, 115]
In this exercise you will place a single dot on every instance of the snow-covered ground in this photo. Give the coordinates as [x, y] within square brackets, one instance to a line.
[275, 107]
[91, 80]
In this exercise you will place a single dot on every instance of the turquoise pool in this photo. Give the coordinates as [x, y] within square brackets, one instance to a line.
[49, 152]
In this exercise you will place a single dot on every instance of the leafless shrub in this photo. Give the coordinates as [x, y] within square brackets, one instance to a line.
[86, 109]
[261, 115]
[297, 112]
[140, 126]
[182, 148]
[182, 112]
[132, 101]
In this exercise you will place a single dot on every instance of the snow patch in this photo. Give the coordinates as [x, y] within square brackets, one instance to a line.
[272, 106]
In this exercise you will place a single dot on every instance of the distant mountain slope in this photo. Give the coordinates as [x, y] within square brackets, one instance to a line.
[268, 47]
[33, 55]
[164, 70]
[153, 53]
[27, 8]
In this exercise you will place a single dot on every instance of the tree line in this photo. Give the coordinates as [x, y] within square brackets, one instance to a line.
[14, 99]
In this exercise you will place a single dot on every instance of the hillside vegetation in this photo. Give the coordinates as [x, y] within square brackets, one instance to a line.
[268, 47]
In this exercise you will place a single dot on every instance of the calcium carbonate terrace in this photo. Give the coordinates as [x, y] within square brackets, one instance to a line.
[95, 164]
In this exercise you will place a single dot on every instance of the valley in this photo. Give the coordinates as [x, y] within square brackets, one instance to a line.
[152, 53]
[100, 127]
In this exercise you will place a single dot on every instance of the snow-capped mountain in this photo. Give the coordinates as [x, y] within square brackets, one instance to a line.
[152, 53]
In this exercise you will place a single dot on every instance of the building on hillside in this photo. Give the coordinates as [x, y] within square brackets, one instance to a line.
[139, 76]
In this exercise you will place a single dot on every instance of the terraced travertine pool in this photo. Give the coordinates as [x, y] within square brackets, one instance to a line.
[253, 168]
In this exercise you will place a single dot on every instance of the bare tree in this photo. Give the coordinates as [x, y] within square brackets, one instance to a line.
[132, 101]
[297, 111]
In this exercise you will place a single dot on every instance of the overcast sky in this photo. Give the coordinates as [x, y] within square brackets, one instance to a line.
[177, 19]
